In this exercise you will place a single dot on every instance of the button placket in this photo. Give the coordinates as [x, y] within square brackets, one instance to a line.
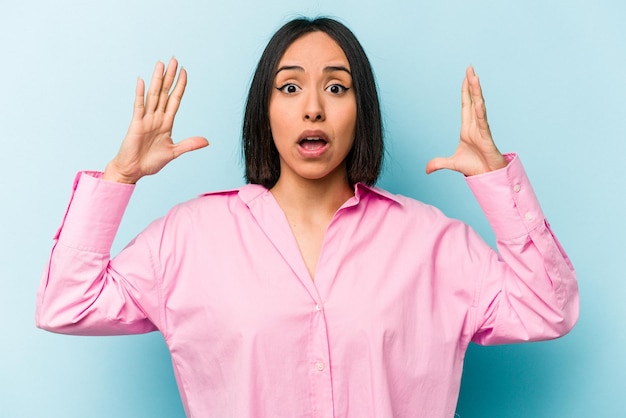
[319, 357]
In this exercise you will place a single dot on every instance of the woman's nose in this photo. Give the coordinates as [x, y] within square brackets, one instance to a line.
[314, 108]
[313, 116]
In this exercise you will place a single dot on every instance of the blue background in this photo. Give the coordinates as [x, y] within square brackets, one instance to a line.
[554, 76]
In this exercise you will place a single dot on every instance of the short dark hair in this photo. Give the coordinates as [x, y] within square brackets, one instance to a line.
[364, 161]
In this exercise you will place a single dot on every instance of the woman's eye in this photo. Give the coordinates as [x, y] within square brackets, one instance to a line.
[337, 89]
[289, 88]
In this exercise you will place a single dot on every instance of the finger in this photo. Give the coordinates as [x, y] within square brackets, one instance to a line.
[152, 98]
[168, 80]
[476, 94]
[466, 103]
[440, 163]
[138, 107]
[190, 144]
[176, 97]
[479, 113]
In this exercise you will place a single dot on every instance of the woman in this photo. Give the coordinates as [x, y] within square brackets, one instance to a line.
[310, 292]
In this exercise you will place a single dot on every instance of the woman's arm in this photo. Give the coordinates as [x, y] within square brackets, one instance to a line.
[528, 290]
[81, 291]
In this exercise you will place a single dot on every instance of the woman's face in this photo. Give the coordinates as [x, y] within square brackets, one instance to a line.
[312, 109]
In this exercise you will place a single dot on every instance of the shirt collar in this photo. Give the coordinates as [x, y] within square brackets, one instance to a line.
[361, 189]
[249, 192]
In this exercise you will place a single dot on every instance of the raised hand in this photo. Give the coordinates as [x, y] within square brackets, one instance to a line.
[148, 145]
[476, 152]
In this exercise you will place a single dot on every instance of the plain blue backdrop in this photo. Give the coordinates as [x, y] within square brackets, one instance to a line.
[554, 76]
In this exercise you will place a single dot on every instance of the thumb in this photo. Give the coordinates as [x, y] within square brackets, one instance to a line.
[439, 163]
[190, 144]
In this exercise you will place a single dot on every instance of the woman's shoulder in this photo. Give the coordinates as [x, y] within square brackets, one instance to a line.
[405, 204]
[227, 201]
[399, 211]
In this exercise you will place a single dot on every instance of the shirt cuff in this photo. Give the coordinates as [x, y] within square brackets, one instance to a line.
[94, 212]
[508, 200]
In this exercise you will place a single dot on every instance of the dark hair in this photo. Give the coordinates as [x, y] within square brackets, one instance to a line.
[364, 160]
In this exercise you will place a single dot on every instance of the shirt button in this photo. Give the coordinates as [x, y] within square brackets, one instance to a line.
[318, 307]
[517, 188]
[319, 366]
[529, 216]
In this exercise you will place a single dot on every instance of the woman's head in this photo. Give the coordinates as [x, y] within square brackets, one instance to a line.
[363, 162]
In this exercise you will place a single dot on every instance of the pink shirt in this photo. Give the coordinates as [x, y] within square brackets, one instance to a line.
[400, 291]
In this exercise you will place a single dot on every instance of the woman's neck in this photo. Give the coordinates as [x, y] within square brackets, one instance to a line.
[309, 206]
[312, 199]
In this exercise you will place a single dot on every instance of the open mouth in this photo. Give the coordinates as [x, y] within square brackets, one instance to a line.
[312, 143]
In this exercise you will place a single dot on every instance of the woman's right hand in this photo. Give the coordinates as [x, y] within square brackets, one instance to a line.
[148, 145]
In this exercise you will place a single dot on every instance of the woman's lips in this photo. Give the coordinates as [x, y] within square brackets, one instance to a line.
[312, 143]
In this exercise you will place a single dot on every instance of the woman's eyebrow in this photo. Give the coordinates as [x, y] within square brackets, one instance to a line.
[329, 69]
[334, 68]
[289, 68]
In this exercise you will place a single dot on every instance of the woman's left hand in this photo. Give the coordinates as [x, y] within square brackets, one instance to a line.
[476, 153]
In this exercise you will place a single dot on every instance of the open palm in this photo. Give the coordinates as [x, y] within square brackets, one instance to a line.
[148, 145]
[476, 152]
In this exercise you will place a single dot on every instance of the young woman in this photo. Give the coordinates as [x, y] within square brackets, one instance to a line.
[309, 292]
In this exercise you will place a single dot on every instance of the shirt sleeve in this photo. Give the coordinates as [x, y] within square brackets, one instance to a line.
[528, 290]
[80, 292]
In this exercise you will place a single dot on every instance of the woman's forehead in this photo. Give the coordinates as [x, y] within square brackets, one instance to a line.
[314, 49]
